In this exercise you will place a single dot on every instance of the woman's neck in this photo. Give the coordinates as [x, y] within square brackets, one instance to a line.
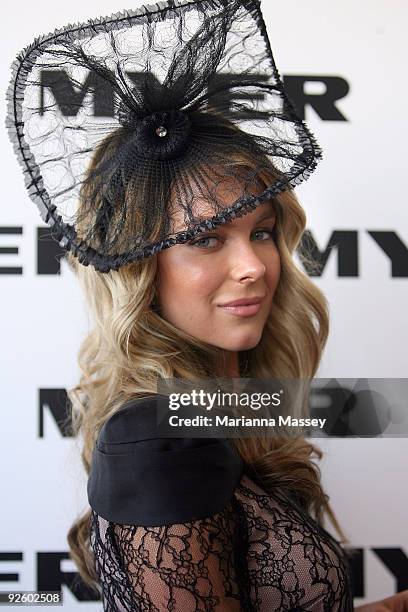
[230, 366]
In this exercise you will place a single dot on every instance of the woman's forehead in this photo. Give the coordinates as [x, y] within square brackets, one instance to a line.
[206, 212]
[205, 201]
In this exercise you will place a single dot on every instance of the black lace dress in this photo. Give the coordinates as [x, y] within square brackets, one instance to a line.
[178, 524]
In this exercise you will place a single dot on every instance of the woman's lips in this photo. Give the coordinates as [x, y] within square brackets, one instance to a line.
[242, 311]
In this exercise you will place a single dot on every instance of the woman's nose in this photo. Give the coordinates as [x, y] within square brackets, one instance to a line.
[245, 262]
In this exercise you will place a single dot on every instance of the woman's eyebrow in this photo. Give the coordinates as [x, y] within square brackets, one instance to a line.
[270, 214]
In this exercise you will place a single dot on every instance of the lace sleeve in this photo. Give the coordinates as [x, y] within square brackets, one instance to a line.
[189, 567]
[166, 528]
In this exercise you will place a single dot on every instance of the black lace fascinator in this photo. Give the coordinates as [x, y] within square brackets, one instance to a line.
[141, 130]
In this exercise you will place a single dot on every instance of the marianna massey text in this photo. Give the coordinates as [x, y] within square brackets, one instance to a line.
[226, 421]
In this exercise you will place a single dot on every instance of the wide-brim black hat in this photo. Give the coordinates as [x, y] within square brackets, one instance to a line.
[178, 107]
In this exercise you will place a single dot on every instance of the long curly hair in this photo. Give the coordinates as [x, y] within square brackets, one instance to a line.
[130, 346]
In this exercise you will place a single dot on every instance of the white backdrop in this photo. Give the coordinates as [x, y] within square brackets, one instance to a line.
[358, 187]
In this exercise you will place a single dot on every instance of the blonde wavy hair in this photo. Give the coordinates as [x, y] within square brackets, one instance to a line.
[130, 346]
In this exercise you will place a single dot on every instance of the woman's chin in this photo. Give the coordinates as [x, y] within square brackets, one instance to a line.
[241, 344]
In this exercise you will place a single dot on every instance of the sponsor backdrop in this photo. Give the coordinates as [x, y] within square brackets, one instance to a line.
[343, 63]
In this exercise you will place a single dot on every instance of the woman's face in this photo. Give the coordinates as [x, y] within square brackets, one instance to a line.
[234, 261]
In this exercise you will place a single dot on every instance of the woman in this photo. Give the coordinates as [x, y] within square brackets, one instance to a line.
[182, 212]
[240, 540]
[162, 317]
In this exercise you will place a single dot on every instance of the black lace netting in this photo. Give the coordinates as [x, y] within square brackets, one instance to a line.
[140, 130]
[259, 554]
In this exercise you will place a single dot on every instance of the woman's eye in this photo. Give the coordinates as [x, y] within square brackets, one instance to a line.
[200, 242]
[262, 231]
